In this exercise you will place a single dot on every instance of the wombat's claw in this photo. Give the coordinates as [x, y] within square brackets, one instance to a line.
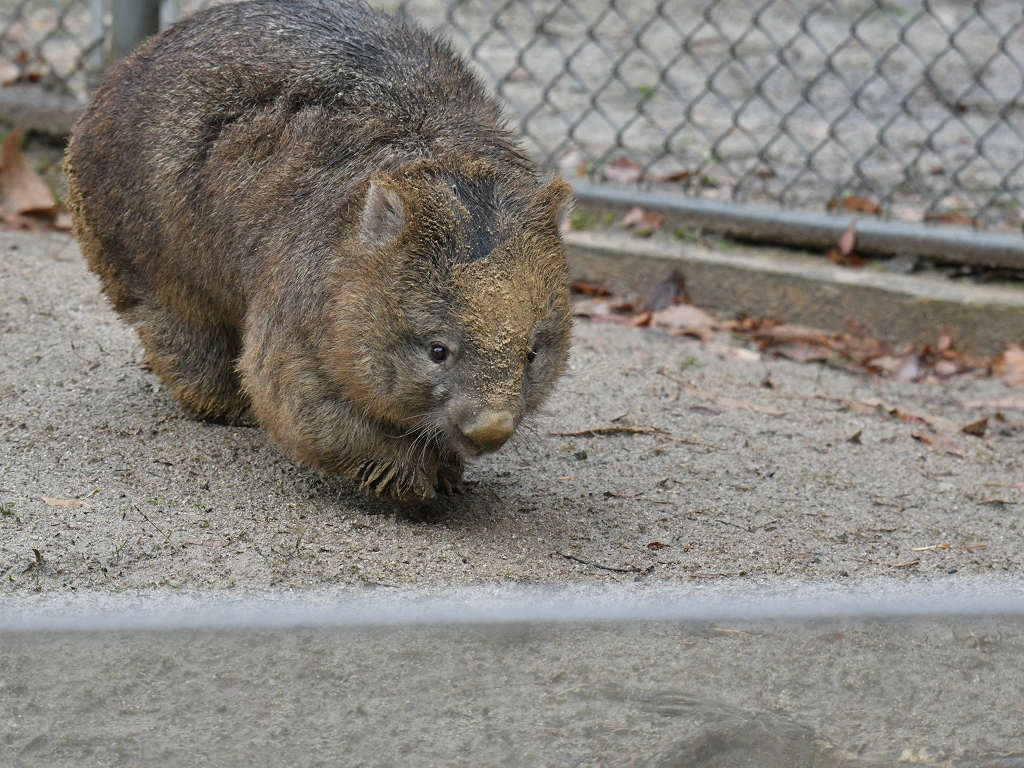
[394, 483]
[449, 480]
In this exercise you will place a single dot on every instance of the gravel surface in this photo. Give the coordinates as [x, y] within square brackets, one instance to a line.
[809, 478]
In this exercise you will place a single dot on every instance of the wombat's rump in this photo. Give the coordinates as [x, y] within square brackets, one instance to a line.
[313, 212]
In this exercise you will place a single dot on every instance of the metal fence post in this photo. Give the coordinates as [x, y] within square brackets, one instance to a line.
[132, 21]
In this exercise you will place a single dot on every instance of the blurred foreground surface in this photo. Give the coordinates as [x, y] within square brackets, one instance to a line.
[683, 685]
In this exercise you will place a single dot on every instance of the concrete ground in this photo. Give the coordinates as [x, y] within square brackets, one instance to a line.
[662, 465]
[704, 467]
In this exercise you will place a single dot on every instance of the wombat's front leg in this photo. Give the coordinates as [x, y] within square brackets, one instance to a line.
[306, 412]
[407, 472]
[197, 365]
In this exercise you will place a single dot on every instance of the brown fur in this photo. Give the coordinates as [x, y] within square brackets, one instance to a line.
[294, 202]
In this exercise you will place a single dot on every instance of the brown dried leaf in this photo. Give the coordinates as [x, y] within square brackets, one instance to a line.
[1009, 366]
[655, 545]
[1013, 403]
[642, 221]
[976, 428]
[855, 204]
[64, 502]
[623, 170]
[937, 442]
[947, 368]
[633, 216]
[588, 288]
[642, 320]
[598, 309]
[22, 188]
[688, 320]
[848, 240]
[62, 220]
[910, 370]
[677, 176]
[951, 217]
[781, 334]
[853, 260]
[802, 352]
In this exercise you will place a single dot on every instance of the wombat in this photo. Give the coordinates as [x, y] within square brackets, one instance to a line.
[314, 215]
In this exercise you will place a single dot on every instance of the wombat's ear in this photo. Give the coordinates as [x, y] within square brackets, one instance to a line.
[383, 217]
[556, 199]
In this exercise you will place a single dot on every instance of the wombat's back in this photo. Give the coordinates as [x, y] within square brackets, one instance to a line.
[253, 117]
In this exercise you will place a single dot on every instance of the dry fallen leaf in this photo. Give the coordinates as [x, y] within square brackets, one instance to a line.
[1009, 366]
[783, 334]
[937, 442]
[588, 288]
[855, 204]
[1010, 403]
[599, 309]
[623, 170]
[641, 221]
[848, 239]
[950, 217]
[656, 545]
[843, 254]
[976, 428]
[23, 190]
[802, 352]
[688, 320]
[64, 502]
[729, 352]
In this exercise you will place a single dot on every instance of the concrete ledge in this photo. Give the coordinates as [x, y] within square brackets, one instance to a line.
[29, 107]
[778, 284]
[943, 243]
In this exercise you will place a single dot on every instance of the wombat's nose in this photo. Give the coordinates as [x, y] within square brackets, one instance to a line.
[490, 429]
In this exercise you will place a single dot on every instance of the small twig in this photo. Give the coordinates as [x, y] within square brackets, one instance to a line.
[631, 569]
[614, 429]
[136, 508]
[734, 525]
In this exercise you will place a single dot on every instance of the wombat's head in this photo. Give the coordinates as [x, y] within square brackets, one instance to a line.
[455, 304]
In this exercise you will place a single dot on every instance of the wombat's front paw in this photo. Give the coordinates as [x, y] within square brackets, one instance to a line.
[397, 483]
[449, 478]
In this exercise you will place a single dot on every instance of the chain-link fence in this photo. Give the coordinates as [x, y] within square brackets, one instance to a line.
[912, 109]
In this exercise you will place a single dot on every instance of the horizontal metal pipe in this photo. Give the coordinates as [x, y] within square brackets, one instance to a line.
[942, 243]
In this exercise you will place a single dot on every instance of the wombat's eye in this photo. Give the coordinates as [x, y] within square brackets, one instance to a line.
[530, 356]
[438, 353]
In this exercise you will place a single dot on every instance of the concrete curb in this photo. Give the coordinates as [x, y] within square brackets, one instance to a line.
[942, 243]
[29, 108]
[796, 288]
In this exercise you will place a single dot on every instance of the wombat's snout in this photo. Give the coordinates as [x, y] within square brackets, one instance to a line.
[486, 430]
